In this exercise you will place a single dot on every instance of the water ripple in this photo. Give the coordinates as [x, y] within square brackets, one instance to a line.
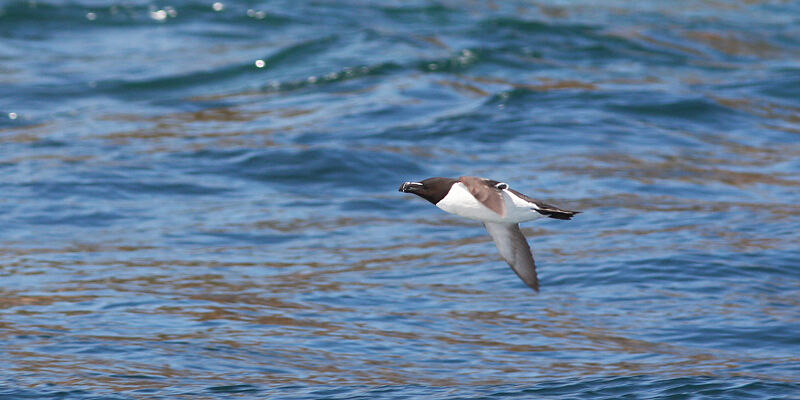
[199, 199]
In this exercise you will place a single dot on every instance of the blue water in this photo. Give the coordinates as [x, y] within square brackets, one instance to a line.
[200, 201]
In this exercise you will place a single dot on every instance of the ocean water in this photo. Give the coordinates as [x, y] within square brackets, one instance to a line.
[199, 199]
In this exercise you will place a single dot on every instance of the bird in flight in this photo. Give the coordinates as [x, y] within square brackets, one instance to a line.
[499, 207]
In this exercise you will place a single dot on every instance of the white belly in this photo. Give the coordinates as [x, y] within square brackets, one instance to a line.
[460, 201]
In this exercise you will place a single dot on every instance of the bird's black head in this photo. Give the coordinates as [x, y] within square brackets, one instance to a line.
[431, 189]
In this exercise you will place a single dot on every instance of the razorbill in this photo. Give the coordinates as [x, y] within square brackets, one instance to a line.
[499, 207]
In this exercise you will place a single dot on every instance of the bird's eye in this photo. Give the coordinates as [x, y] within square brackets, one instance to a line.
[501, 186]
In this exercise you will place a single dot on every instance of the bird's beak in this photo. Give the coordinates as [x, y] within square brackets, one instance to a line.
[410, 187]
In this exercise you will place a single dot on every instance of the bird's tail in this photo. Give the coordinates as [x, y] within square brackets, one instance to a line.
[555, 212]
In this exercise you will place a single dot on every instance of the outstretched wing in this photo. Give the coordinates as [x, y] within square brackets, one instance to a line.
[486, 192]
[515, 250]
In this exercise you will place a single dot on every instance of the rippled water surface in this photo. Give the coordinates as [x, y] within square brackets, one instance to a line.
[199, 199]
